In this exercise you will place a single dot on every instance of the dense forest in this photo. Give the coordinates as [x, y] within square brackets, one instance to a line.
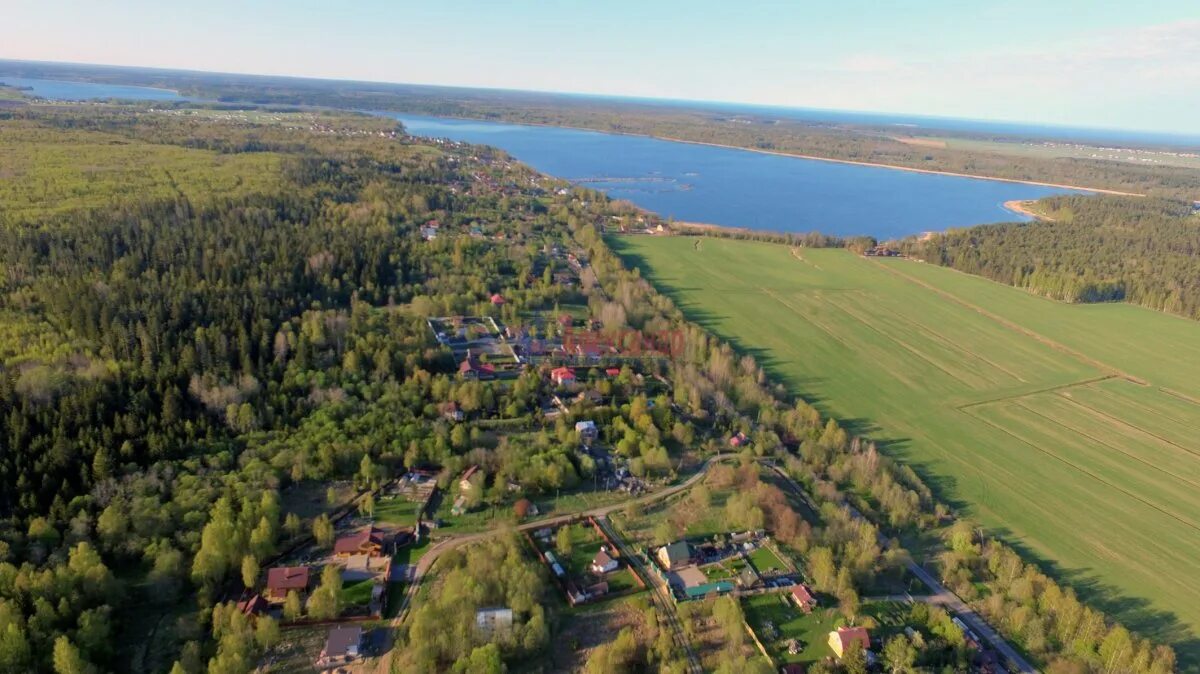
[1086, 249]
[242, 315]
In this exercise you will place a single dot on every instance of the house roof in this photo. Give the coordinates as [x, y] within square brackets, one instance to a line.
[562, 373]
[253, 605]
[470, 364]
[850, 635]
[287, 578]
[679, 551]
[497, 299]
[340, 640]
[602, 558]
[691, 576]
[355, 541]
[801, 593]
[468, 473]
[587, 425]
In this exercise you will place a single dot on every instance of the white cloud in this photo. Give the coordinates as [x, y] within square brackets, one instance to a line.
[1141, 77]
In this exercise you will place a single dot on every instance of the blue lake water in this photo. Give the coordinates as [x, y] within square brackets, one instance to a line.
[723, 186]
[82, 91]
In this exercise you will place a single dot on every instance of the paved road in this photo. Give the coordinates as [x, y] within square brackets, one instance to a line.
[950, 601]
[384, 663]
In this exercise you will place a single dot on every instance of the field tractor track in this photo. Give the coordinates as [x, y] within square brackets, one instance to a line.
[1016, 327]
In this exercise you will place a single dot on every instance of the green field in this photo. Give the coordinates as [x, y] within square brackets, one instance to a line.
[1069, 429]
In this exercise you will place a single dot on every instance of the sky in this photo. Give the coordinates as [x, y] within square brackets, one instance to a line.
[1127, 65]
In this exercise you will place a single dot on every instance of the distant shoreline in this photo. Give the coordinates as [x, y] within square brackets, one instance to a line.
[778, 153]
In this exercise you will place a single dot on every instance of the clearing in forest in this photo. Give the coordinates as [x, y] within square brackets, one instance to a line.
[1069, 429]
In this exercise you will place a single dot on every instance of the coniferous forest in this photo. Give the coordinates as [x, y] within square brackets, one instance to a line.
[1086, 249]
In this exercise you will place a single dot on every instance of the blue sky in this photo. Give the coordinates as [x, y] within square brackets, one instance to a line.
[1098, 63]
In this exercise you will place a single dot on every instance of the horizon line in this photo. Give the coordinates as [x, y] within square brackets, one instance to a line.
[1190, 136]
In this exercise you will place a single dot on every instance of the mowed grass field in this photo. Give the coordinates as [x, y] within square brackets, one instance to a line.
[1071, 430]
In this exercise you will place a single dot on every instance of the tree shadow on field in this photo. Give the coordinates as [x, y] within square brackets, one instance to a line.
[1135, 613]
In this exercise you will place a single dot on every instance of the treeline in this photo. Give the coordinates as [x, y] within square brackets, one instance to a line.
[1090, 249]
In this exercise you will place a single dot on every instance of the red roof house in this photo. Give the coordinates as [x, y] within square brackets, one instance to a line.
[803, 597]
[841, 639]
[365, 541]
[497, 299]
[471, 368]
[562, 376]
[284, 579]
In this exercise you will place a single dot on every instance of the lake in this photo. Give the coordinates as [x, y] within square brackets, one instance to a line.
[739, 188]
[59, 90]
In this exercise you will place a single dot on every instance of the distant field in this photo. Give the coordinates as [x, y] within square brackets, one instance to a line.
[45, 170]
[1071, 429]
[1059, 150]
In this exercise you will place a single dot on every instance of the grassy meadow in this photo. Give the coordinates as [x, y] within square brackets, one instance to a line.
[1068, 429]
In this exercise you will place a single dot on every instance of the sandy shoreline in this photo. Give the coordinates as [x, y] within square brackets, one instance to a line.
[1022, 206]
[777, 153]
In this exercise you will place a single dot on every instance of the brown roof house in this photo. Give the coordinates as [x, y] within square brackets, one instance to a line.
[284, 579]
[365, 541]
[343, 645]
[604, 563]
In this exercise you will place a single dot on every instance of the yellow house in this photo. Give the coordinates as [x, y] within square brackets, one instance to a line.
[841, 639]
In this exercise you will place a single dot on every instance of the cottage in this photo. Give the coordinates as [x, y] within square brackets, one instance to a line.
[842, 638]
[675, 555]
[472, 368]
[748, 578]
[284, 579]
[451, 412]
[587, 431]
[343, 645]
[562, 376]
[738, 440]
[366, 541]
[603, 563]
[464, 482]
[803, 598]
[497, 300]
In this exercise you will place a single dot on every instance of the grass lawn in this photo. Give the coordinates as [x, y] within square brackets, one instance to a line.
[811, 630]
[357, 593]
[621, 580]
[765, 560]
[409, 554]
[398, 511]
[1064, 427]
